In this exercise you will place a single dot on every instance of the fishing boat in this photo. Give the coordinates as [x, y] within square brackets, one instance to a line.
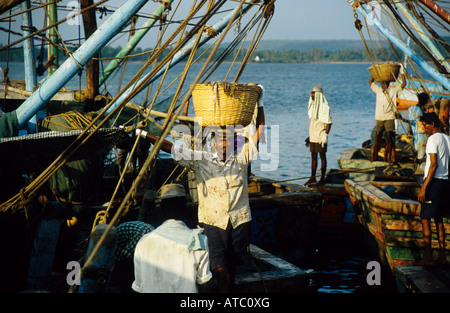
[337, 212]
[270, 274]
[64, 180]
[422, 57]
[357, 163]
[387, 206]
[390, 212]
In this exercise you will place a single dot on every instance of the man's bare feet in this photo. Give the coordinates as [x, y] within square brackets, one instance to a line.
[311, 181]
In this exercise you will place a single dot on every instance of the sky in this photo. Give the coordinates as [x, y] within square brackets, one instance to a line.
[293, 20]
[312, 20]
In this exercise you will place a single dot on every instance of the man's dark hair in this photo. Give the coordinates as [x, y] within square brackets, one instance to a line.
[423, 98]
[429, 118]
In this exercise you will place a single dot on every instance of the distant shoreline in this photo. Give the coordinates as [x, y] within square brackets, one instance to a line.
[250, 62]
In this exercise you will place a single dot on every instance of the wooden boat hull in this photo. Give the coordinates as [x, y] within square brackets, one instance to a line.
[359, 167]
[337, 211]
[395, 224]
[271, 274]
[285, 217]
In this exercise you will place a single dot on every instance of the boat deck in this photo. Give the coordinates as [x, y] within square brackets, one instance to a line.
[420, 279]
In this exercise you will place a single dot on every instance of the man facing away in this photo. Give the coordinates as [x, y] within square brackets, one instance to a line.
[172, 257]
[385, 115]
[319, 128]
[434, 192]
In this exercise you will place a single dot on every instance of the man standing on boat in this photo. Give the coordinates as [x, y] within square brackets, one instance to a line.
[385, 115]
[319, 128]
[433, 195]
[223, 202]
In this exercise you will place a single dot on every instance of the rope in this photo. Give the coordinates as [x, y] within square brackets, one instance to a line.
[152, 154]
[358, 26]
[52, 25]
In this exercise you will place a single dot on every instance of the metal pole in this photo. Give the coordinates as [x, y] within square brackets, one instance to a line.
[78, 60]
[28, 46]
[28, 54]
[52, 35]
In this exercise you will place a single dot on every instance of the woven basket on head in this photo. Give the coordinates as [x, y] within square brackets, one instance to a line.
[222, 103]
[385, 72]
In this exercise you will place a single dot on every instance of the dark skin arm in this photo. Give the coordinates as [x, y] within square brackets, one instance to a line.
[371, 80]
[426, 183]
[327, 130]
[403, 81]
[260, 121]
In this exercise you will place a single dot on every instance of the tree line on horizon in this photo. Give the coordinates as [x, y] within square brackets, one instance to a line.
[313, 55]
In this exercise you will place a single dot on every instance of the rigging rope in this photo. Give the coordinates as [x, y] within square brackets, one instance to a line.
[157, 145]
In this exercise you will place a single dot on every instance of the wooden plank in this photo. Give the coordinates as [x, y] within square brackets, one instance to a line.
[17, 94]
[418, 279]
[281, 276]
[92, 67]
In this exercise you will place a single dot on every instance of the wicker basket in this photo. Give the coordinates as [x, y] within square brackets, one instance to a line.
[385, 72]
[222, 103]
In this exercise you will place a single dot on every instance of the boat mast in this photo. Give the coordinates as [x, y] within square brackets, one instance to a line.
[437, 9]
[92, 67]
[362, 8]
[52, 53]
[426, 39]
[28, 53]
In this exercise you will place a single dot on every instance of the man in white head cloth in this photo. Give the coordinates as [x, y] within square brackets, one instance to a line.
[319, 128]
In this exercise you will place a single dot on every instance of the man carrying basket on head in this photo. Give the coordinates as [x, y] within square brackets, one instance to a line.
[222, 185]
[385, 115]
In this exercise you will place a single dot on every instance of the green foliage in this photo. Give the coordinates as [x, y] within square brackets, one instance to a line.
[342, 52]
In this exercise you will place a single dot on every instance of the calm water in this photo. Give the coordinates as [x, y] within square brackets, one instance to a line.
[340, 265]
[287, 90]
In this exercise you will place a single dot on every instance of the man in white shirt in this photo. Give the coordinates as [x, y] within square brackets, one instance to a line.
[172, 258]
[224, 209]
[433, 195]
[385, 115]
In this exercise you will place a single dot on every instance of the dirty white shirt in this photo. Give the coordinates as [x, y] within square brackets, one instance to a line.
[385, 108]
[165, 265]
[317, 130]
[221, 185]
